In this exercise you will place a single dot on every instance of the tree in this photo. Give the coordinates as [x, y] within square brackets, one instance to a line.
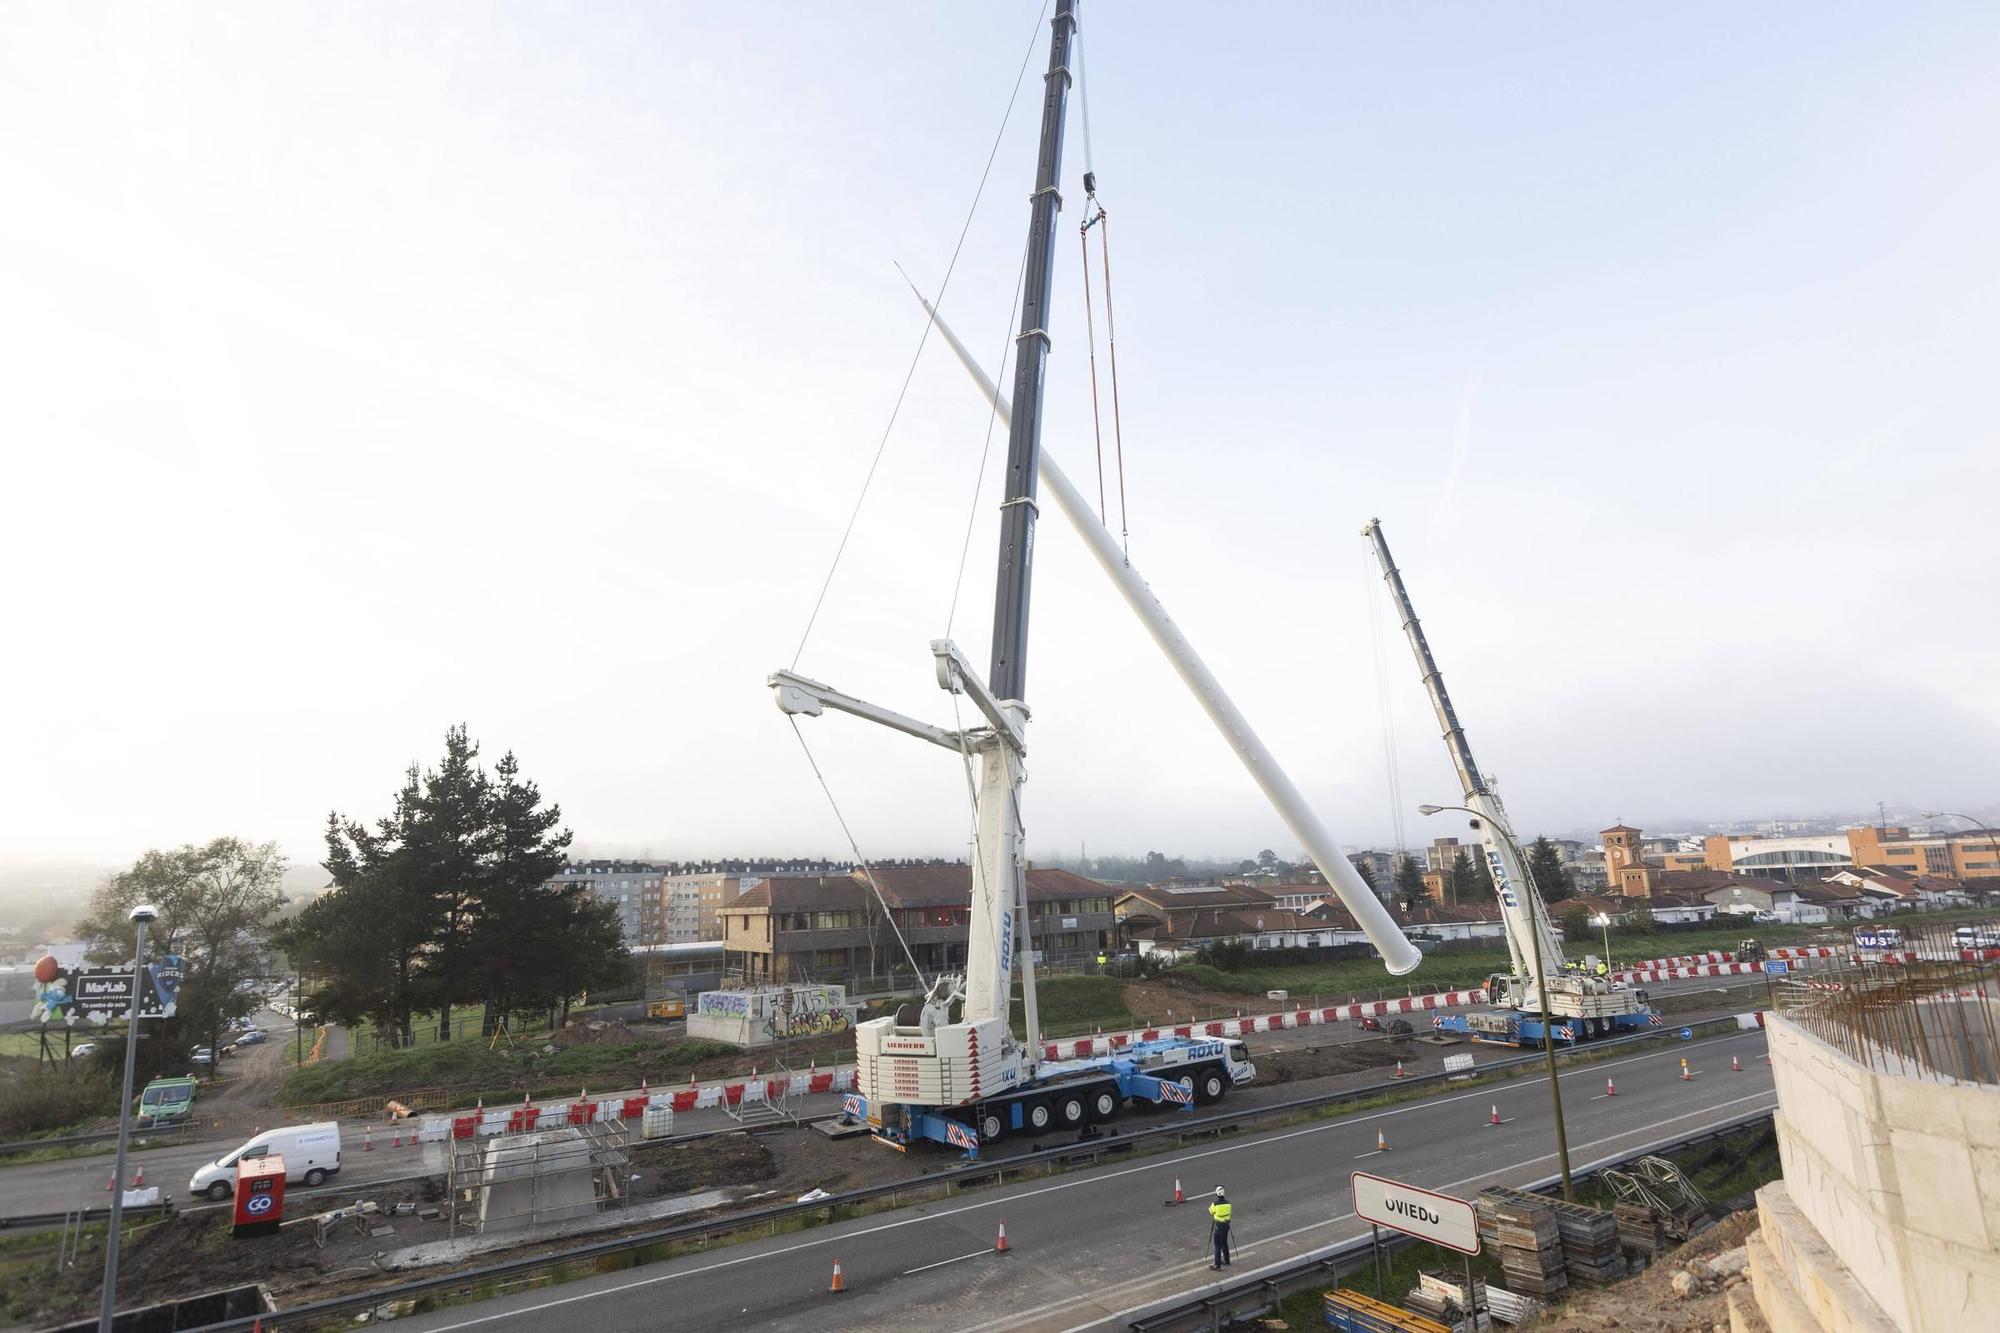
[1482, 879]
[526, 849]
[1409, 882]
[1575, 922]
[1267, 859]
[1546, 869]
[1640, 919]
[1364, 868]
[1462, 881]
[215, 902]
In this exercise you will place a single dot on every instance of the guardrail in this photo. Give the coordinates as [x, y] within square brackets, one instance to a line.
[1041, 1161]
[1256, 1293]
[164, 1208]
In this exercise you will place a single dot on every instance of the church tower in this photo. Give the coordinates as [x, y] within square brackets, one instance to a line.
[1624, 864]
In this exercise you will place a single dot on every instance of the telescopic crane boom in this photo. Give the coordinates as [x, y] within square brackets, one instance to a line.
[1540, 991]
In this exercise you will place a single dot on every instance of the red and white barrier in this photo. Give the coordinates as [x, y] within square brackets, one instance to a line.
[1082, 1048]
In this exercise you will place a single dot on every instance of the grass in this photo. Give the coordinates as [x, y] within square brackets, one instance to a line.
[470, 1068]
[1070, 1006]
[466, 1020]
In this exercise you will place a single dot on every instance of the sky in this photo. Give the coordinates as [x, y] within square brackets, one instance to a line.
[372, 368]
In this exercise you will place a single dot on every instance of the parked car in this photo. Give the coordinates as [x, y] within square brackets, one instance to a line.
[311, 1153]
[83, 1050]
[254, 1037]
[201, 1057]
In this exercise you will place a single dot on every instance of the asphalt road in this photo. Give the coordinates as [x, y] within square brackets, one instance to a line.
[1093, 1248]
[47, 1187]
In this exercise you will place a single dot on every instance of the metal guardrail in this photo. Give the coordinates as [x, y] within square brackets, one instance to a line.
[1255, 1294]
[1041, 1161]
[164, 1208]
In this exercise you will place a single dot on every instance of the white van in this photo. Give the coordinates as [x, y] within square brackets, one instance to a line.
[311, 1153]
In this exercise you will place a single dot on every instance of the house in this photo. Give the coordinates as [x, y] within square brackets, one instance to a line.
[833, 927]
[1464, 922]
[1675, 909]
[1190, 929]
[1901, 891]
[1153, 905]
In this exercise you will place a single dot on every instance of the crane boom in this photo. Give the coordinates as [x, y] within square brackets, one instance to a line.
[1529, 936]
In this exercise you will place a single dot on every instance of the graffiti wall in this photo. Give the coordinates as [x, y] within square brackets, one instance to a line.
[771, 1013]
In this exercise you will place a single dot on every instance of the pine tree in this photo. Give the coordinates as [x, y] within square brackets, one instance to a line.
[1546, 869]
[1409, 882]
[1462, 881]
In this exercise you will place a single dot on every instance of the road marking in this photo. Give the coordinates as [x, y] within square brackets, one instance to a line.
[942, 1262]
[1093, 1179]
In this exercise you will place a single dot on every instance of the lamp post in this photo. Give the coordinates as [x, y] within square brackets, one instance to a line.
[1534, 897]
[1603, 920]
[1953, 814]
[141, 916]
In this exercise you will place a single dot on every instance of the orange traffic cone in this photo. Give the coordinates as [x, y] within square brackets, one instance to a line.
[397, 1140]
[839, 1282]
[111, 1182]
[1735, 1064]
[1381, 1141]
[1494, 1117]
[1000, 1246]
[1610, 1088]
[1178, 1196]
[1399, 1070]
[139, 1177]
[1686, 1076]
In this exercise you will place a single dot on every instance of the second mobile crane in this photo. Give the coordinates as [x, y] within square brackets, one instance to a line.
[1579, 1005]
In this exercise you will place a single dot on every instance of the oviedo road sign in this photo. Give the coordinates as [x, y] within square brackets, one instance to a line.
[1425, 1214]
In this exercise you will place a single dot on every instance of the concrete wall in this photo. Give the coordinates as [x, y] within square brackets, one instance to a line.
[1899, 1178]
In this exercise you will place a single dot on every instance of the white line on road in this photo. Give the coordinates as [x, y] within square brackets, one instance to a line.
[942, 1262]
[1160, 1164]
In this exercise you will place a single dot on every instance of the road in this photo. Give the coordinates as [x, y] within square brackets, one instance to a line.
[1093, 1248]
[47, 1187]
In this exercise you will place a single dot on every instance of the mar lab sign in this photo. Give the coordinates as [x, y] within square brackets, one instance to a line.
[1438, 1218]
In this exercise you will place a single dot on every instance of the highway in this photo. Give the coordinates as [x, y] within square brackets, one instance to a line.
[50, 1187]
[1093, 1248]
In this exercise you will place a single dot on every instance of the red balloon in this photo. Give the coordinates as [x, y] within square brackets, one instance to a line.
[46, 968]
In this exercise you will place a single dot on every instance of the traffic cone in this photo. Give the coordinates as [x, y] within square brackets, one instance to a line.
[1493, 1118]
[139, 1177]
[1381, 1141]
[1178, 1196]
[839, 1282]
[1686, 1075]
[1610, 1088]
[1399, 1070]
[1000, 1246]
[1735, 1064]
[111, 1182]
[368, 1138]
[397, 1140]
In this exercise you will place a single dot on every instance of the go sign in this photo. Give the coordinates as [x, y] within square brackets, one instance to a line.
[257, 1203]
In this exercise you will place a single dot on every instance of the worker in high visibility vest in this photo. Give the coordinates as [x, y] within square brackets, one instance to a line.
[1218, 1220]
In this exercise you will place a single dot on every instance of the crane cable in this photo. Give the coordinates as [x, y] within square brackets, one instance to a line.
[1382, 702]
[1095, 216]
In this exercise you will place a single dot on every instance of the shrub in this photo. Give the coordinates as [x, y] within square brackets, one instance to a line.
[45, 1100]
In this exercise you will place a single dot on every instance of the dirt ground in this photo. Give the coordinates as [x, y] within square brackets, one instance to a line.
[1646, 1303]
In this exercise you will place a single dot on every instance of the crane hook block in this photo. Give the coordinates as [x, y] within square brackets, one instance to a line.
[1090, 183]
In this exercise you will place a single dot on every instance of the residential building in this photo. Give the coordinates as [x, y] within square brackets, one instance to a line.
[633, 885]
[695, 901]
[1898, 891]
[1150, 905]
[833, 928]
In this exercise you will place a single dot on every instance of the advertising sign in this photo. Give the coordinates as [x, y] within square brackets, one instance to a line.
[100, 995]
[1425, 1214]
[1776, 966]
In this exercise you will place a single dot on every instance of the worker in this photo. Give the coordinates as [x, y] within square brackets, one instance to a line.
[1101, 960]
[1218, 1219]
[1603, 969]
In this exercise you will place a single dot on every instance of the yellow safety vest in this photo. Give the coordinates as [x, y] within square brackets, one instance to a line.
[1219, 1213]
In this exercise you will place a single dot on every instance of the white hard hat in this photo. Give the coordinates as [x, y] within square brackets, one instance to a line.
[1218, 1191]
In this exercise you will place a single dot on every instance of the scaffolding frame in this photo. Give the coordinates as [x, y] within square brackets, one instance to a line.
[598, 1146]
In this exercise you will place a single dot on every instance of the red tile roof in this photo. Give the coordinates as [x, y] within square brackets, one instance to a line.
[904, 886]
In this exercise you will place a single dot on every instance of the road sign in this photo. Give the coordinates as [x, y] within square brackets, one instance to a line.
[1687, 1034]
[1776, 966]
[1425, 1214]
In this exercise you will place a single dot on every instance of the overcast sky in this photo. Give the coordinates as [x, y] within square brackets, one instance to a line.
[369, 368]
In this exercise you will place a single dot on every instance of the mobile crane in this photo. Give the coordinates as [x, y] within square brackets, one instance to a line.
[970, 1081]
[1579, 1005]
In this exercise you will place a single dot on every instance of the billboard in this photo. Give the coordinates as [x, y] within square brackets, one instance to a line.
[100, 995]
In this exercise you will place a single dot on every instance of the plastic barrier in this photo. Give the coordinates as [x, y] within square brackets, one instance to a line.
[464, 1126]
[686, 1099]
[435, 1130]
[821, 1083]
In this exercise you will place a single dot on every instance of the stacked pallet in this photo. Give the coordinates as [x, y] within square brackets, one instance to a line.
[1351, 1312]
[1640, 1229]
[1524, 1229]
[1589, 1243]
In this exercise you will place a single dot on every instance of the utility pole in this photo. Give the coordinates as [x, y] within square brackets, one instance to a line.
[108, 1305]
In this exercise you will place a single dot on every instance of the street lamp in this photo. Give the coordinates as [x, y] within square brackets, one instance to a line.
[143, 914]
[1953, 814]
[1534, 897]
[1603, 919]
